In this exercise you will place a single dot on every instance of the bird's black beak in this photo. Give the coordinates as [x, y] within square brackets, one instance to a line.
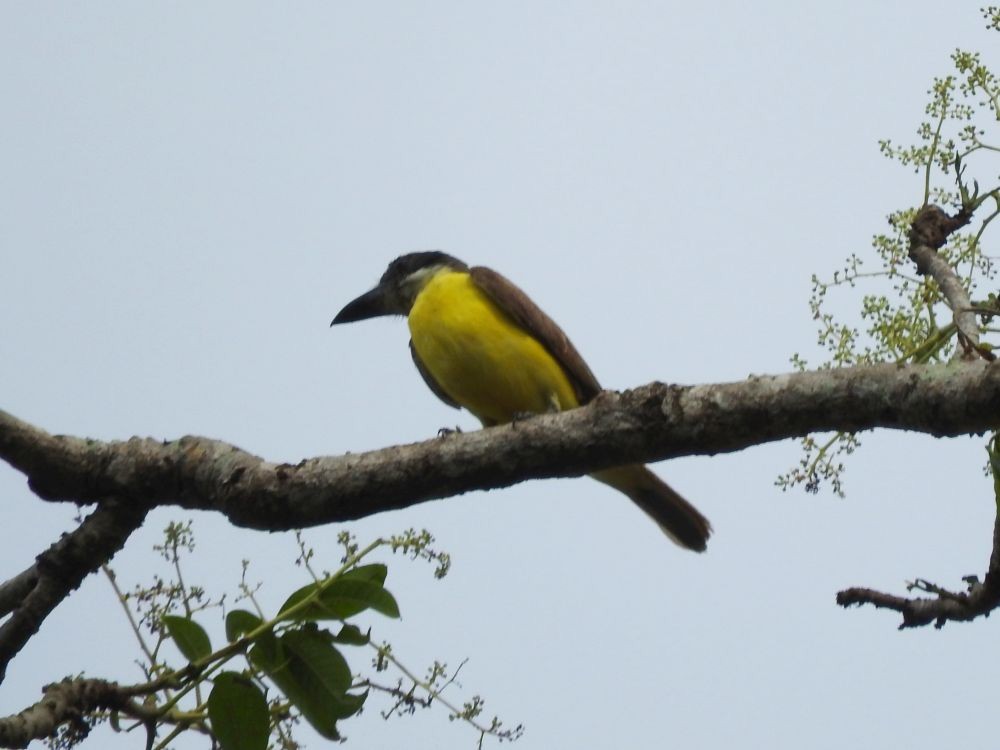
[369, 305]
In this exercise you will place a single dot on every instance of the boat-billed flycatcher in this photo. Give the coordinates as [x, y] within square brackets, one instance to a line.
[480, 342]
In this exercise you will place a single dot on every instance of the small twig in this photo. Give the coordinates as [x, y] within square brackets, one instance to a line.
[407, 698]
[432, 692]
[922, 353]
[123, 601]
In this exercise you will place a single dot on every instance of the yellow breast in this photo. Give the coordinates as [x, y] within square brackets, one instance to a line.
[480, 357]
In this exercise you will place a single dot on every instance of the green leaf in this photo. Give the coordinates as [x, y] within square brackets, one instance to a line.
[363, 594]
[238, 711]
[312, 674]
[239, 622]
[323, 663]
[267, 654]
[351, 635]
[376, 573]
[350, 704]
[297, 597]
[191, 639]
[341, 599]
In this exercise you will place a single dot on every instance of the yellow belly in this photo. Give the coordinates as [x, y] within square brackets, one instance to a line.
[480, 357]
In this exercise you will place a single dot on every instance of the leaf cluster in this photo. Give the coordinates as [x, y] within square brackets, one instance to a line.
[900, 316]
[274, 671]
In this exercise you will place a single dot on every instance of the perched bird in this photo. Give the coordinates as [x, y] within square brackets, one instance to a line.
[480, 343]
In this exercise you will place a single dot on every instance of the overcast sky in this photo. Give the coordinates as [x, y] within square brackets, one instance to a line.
[191, 191]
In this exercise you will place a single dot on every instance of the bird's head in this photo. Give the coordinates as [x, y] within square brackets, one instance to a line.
[399, 286]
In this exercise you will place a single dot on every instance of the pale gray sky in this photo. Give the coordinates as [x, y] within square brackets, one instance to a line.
[192, 190]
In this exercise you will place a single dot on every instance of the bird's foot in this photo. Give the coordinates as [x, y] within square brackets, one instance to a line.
[521, 416]
[446, 431]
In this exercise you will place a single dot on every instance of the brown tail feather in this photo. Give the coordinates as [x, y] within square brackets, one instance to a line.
[680, 520]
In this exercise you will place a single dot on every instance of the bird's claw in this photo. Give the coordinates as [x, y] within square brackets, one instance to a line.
[521, 416]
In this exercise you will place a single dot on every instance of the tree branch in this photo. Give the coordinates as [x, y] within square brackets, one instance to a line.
[978, 600]
[650, 423]
[69, 701]
[14, 590]
[653, 422]
[930, 230]
[959, 606]
[31, 595]
[928, 233]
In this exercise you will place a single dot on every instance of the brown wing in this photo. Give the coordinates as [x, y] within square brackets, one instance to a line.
[429, 379]
[530, 317]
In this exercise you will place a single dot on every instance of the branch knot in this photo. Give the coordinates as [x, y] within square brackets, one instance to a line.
[931, 228]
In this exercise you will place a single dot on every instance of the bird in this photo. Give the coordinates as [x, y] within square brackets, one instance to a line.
[481, 343]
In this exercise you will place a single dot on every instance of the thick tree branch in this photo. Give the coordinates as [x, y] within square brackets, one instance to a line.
[654, 422]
